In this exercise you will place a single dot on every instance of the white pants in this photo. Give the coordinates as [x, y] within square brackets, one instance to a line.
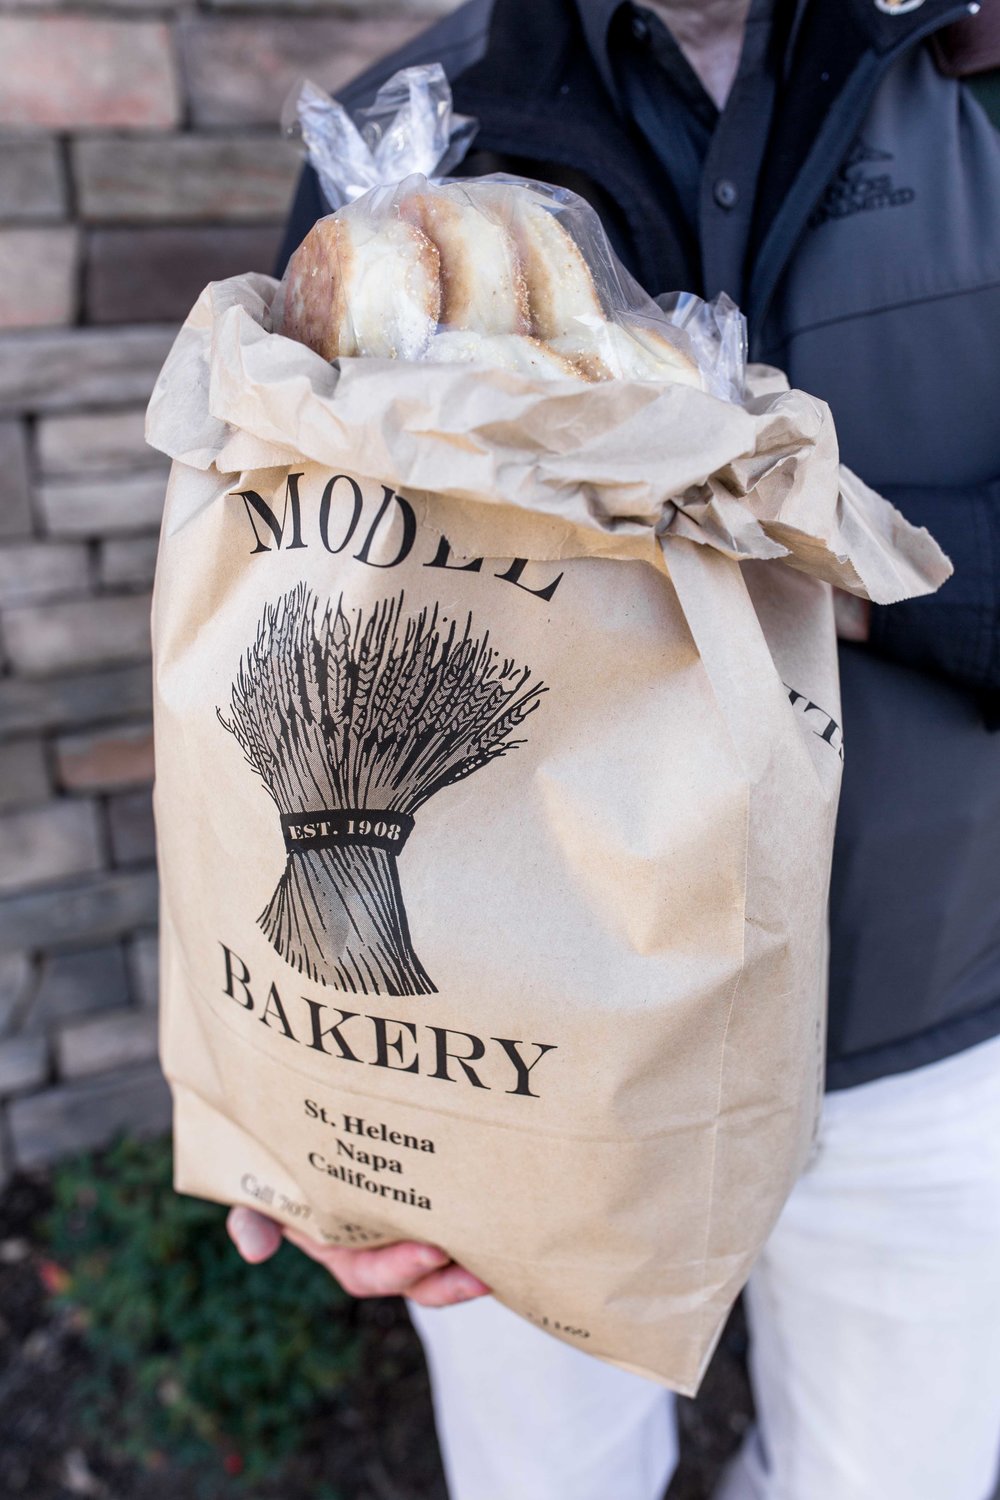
[875, 1332]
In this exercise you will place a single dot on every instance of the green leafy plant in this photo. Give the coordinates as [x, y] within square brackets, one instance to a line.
[196, 1355]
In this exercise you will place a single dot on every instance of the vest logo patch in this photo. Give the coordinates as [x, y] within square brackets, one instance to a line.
[857, 189]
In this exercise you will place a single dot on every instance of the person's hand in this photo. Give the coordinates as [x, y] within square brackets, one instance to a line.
[853, 616]
[421, 1272]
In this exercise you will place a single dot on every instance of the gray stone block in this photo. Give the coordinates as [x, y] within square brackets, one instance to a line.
[87, 1115]
[65, 702]
[78, 984]
[102, 1044]
[105, 442]
[31, 181]
[55, 371]
[32, 571]
[239, 71]
[119, 755]
[75, 72]
[370, 11]
[16, 981]
[38, 274]
[49, 638]
[137, 7]
[155, 274]
[144, 952]
[95, 507]
[133, 836]
[232, 178]
[89, 911]
[53, 842]
[24, 1065]
[24, 776]
[128, 560]
[15, 489]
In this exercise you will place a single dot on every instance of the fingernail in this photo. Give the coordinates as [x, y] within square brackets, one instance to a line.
[469, 1286]
[251, 1236]
[429, 1257]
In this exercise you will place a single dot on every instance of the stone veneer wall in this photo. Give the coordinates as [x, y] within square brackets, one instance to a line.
[139, 158]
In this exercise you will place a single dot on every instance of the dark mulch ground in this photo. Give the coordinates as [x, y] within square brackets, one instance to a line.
[378, 1445]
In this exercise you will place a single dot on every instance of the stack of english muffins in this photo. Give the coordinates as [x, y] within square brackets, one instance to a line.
[473, 272]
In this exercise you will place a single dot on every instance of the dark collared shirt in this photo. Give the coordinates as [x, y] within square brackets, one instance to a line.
[711, 158]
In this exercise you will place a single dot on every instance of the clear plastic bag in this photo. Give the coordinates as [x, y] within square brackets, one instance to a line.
[409, 127]
[494, 270]
[718, 333]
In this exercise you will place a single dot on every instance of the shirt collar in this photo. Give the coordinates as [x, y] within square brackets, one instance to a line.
[596, 17]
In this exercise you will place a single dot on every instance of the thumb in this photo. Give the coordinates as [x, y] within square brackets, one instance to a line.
[255, 1237]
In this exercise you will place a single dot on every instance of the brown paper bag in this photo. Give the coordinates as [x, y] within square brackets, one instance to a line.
[498, 749]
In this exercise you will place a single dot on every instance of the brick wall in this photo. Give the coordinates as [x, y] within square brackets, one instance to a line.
[139, 158]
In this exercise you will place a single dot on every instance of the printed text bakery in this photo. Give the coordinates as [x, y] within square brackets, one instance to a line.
[505, 1064]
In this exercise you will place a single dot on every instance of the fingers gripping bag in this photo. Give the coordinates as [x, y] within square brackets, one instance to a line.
[498, 746]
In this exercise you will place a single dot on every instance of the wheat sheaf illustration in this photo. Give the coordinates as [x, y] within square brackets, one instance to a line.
[353, 720]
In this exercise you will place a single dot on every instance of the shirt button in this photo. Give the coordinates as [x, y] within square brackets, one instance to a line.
[726, 193]
[640, 28]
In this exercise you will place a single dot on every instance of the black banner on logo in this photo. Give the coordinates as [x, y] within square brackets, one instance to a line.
[331, 828]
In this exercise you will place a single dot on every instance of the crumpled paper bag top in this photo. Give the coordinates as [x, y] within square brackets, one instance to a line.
[614, 459]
